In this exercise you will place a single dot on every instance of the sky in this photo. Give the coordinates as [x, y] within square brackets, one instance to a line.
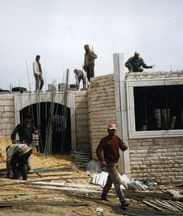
[58, 29]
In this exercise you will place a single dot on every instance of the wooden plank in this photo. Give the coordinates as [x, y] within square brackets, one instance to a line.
[51, 169]
[67, 189]
[152, 205]
[71, 185]
[147, 194]
[32, 181]
[176, 205]
[39, 203]
[165, 205]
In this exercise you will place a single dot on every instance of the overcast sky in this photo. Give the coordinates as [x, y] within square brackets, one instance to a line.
[58, 29]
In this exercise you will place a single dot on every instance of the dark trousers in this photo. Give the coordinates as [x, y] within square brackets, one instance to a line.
[89, 71]
[39, 81]
[78, 80]
[134, 69]
[18, 165]
[113, 178]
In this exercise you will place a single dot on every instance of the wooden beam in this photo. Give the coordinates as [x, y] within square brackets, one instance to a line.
[44, 203]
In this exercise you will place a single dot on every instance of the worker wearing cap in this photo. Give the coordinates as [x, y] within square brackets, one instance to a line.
[108, 154]
[16, 160]
[136, 63]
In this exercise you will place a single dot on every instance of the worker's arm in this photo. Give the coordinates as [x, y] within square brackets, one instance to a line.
[122, 145]
[99, 152]
[14, 133]
[146, 66]
[93, 55]
[129, 61]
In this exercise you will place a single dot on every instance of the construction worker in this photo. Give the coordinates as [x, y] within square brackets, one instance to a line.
[108, 154]
[79, 75]
[16, 160]
[25, 132]
[89, 62]
[136, 63]
[38, 73]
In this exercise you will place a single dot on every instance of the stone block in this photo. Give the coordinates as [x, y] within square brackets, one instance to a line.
[8, 109]
[81, 105]
[81, 111]
[6, 97]
[81, 117]
[83, 122]
[81, 99]
[8, 115]
[6, 102]
[7, 121]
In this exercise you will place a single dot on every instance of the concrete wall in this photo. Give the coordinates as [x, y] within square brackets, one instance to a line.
[7, 114]
[101, 108]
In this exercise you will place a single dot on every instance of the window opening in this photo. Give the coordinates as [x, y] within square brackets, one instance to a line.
[158, 108]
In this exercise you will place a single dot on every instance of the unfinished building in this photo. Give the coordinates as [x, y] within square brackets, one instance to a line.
[147, 107]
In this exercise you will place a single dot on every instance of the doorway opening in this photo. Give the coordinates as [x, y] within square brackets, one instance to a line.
[54, 125]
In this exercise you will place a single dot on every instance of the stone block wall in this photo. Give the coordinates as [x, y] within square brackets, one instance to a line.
[7, 118]
[7, 114]
[159, 159]
[81, 118]
[101, 108]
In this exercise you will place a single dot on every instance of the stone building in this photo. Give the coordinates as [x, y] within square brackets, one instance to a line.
[147, 107]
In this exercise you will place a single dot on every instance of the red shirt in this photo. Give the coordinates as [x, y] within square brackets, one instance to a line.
[108, 148]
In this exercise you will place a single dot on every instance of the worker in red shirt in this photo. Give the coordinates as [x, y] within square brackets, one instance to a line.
[108, 154]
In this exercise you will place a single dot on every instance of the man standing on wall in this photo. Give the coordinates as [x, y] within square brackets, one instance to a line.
[38, 73]
[136, 63]
[108, 154]
[89, 62]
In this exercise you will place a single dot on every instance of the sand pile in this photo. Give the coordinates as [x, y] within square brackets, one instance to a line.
[38, 160]
[4, 142]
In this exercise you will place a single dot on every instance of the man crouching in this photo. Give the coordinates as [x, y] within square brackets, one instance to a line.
[16, 160]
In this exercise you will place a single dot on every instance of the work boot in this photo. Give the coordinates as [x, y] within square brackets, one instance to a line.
[15, 176]
[124, 205]
[103, 197]
[28, 169]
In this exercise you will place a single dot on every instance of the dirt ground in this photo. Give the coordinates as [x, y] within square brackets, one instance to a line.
[66, 186]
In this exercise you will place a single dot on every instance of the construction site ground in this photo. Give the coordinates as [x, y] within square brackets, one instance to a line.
[58, 187]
